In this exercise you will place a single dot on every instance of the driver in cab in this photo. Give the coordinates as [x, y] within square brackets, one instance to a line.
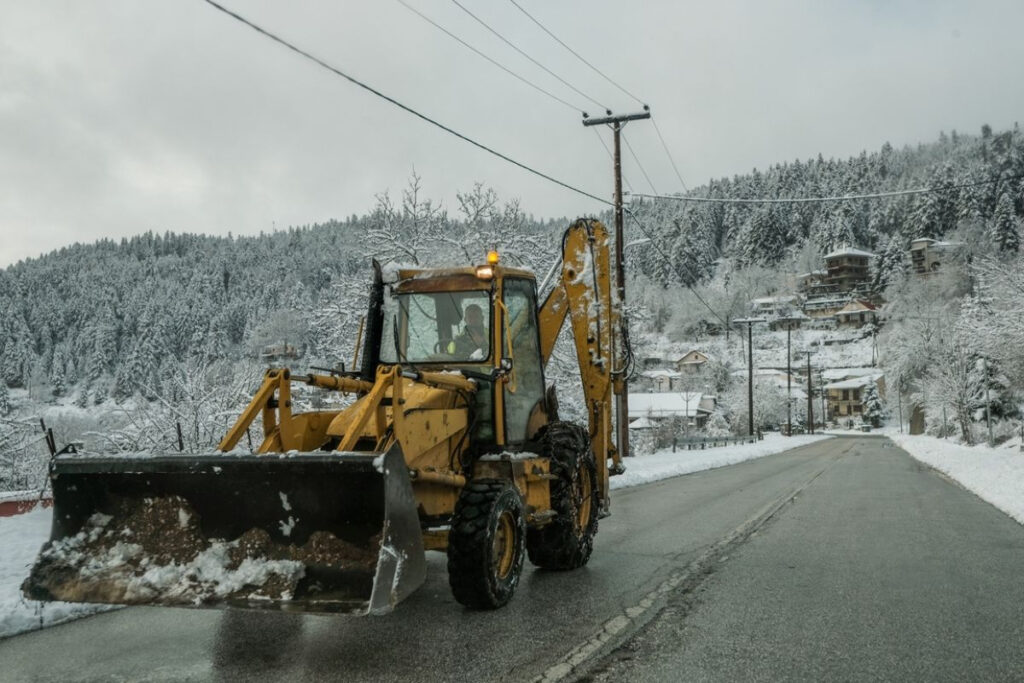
[472, 342]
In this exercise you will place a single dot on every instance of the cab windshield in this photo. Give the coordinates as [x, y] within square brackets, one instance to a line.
[436, 327]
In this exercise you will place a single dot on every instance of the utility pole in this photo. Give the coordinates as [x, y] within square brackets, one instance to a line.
[750, 370]
[789, 382]
[899, 397]
[788, 321]
[988, 404]
[821, 388]
[810, 398]
[619, 378]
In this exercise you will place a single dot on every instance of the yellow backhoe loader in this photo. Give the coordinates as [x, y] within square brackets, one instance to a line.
[451, 444]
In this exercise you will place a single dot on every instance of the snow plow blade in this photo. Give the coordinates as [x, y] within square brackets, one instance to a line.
[308, 532]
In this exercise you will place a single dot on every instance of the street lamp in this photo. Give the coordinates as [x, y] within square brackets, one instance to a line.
[750, 369]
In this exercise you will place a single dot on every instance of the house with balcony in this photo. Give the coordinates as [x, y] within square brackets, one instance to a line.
[856, 314]
[927, 255]
[845, 397]
[847, 269]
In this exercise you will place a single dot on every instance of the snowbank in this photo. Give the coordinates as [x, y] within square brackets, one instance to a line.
[996, 475]
[21, 537]
[664, 464]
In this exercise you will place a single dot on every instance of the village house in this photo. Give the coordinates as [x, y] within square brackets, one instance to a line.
[659, 380]
[856, 314]
[772, 306]
[927, 255]
[692, 362]
[845, 396]
[691, 408]
[847, 269]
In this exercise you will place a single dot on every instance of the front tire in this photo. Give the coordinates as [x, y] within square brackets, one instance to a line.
[486, 544]
[568, 540]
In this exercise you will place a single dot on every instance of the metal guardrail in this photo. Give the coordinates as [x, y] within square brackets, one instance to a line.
[701, 443]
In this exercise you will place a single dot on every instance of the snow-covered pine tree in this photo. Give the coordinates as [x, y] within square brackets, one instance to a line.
[1004, 229]
[5, 399]
[874, 408]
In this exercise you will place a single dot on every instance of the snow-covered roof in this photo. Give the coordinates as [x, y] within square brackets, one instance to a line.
[665, 404]
[760, 372]
[773, 300]
[813, 273]
[854, 382]
[833, 374]
[701, 357]
[849, 251]
[652, 374]
[923, 242]
[856, 307]
[642, 423]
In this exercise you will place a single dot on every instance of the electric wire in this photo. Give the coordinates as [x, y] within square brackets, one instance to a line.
[668, 260]
[574, 53]
[517, 49]
[668, 153]
[447, 129]
[836, 198]
[406, 108]
[493, 61]
[637, 160]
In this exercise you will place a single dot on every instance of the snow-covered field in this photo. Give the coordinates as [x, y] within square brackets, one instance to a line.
[21, 537]
[994, 474]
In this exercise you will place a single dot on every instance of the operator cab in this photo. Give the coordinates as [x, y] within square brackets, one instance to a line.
[481, 321]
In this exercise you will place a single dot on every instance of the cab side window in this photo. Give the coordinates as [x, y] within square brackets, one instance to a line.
[526, 390]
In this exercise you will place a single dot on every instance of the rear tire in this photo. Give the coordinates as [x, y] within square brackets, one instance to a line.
[567, 541]
[486, 543]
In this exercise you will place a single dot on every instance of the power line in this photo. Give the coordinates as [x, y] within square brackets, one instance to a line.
[670, 262]
[637, 160]
[403, 107]
[516, 48]
[576, 54]
[488, 58]
[837, 198]
[668, 153]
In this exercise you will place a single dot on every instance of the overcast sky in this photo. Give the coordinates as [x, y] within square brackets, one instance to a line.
[118, 117]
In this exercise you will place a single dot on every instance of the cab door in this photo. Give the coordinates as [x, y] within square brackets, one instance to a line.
[524, 390]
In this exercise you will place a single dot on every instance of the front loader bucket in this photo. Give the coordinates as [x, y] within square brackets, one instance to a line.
[308, 532]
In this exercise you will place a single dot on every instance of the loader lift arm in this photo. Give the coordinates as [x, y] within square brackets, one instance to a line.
[583, 293]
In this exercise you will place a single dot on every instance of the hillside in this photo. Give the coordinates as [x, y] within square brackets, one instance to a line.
[171, 315]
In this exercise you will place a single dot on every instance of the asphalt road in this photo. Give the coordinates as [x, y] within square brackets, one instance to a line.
[842, 559]
[882, 569]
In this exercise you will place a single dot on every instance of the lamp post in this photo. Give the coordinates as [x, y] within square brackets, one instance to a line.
[750, 369]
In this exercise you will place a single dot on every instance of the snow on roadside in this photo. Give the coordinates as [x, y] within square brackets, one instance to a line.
[995, 475]
[21, 537]
[645, 469]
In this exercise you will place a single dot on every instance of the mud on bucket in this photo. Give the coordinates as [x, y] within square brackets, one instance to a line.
[312, 532]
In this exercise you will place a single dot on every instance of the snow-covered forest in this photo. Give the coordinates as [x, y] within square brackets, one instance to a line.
[166, 328]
